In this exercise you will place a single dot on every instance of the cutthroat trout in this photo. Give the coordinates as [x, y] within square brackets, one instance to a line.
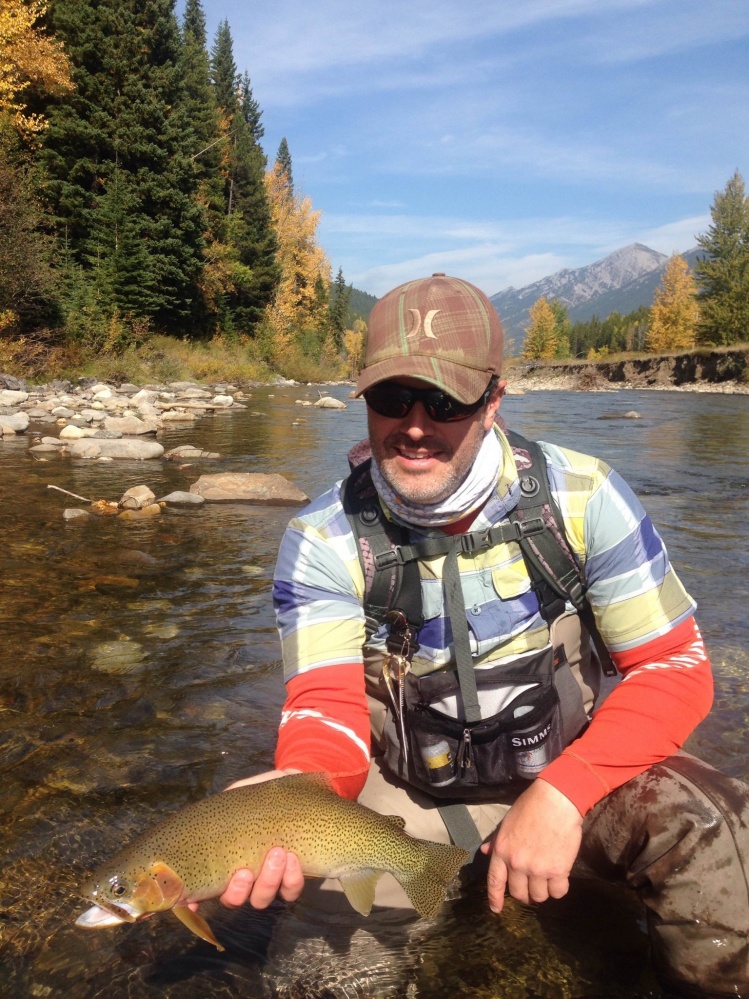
[191, 855]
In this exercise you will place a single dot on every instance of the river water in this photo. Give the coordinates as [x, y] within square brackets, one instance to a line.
[140, 671]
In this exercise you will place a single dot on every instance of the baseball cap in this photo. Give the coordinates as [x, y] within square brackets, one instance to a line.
[440, 329]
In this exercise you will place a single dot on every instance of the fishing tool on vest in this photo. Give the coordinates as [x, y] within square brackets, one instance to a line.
[396, 664]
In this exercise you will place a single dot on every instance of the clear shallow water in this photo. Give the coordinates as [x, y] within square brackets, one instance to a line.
[140, 670]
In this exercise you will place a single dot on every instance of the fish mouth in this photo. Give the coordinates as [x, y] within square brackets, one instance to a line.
[106, 914]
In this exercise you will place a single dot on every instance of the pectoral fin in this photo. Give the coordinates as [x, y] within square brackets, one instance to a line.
[196, 924]
[359, 887]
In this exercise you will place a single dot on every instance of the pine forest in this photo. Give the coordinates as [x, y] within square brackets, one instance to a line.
[137, 201]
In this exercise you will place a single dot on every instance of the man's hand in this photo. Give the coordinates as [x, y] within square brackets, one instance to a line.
[534, 848]
[280, 873]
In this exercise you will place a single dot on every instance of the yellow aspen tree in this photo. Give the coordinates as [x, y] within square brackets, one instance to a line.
[29, 60]
[353, 344]
[296, 306]
[674, 314]
[541, 332]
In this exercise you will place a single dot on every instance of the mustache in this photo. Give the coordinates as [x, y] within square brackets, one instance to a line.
[401, 441]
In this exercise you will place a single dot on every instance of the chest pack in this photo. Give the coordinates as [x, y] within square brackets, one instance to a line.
[464, 733]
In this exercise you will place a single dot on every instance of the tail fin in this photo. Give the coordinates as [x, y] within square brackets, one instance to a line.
[426, 885]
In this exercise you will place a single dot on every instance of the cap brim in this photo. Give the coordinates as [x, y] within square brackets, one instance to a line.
[462, 383]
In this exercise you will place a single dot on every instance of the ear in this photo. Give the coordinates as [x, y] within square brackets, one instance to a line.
[492, 407]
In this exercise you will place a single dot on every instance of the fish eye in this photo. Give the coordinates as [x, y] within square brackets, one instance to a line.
[119, 890]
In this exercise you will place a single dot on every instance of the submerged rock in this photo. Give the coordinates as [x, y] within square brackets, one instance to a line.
[179, 498]
[99, 448]
[248, 487]
[328, 402]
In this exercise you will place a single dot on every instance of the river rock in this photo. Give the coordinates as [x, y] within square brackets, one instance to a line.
[10, 398]
[44, 448]
[17, 422]
[63, 412]
[193, 392]
[189, 452]
[130, 425]
[181, 498]
[178, 416]
[249, 487]
[96, 447]
[222, 401]
[93, 415]
[328, 402]
[11, 382]
[631, 415]
[76, 513]
[137, 498]
[73, 433]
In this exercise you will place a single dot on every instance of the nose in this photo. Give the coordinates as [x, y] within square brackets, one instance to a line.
[417, 423]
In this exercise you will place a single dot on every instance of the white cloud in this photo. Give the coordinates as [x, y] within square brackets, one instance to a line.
[675, 237]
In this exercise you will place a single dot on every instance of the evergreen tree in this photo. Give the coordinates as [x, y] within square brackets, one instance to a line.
[251, 271]
[224, 71]
[251, 109]
[541, 332]
[562, 328]
[674, 315]
[340, 296]
[723, 275]
[207, 160]
[122, 143]
[283, 159]
[27, 292]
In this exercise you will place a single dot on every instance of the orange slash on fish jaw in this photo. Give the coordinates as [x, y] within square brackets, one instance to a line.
[158, 889]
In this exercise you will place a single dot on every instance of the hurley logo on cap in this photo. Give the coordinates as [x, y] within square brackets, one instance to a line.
[427, 323]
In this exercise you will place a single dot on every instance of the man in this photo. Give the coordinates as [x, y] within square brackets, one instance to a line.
[606, 791]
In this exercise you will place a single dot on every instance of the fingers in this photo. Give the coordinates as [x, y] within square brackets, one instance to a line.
[238, 890]
[280, 874]
[293, 879]
[269, 879]
[496, 882]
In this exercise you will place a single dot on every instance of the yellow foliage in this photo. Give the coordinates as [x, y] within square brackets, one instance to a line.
[674, 315]
[541, 332]
[295, 305]
[353, 344]
[28, 58]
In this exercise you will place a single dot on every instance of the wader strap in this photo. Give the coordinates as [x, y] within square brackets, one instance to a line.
[456, 610]
[460, 825]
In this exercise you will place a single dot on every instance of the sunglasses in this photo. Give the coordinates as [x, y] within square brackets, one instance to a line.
[395, 401]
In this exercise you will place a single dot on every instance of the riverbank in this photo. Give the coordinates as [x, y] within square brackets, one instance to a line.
[724, 370]
[164, 360]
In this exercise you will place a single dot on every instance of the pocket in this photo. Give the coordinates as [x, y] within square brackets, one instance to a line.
[520, 731]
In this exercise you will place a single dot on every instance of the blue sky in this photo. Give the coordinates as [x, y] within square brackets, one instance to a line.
[498, 140]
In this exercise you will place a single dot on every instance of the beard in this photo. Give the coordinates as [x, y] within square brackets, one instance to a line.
[445, 465]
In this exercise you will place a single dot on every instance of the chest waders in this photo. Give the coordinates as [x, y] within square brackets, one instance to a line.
[464, 755]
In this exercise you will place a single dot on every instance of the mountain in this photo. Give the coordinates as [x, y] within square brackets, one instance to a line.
[360, 304]
[622, 282]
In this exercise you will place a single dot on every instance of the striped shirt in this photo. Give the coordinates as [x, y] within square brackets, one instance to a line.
[639, 605]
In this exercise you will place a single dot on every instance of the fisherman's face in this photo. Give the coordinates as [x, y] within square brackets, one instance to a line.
[423, 460]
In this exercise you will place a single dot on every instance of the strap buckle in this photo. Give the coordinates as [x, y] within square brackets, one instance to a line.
[388, 559]
[527, 528]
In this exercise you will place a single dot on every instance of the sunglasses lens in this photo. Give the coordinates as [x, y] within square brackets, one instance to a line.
[396, 401]
[391, 401]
